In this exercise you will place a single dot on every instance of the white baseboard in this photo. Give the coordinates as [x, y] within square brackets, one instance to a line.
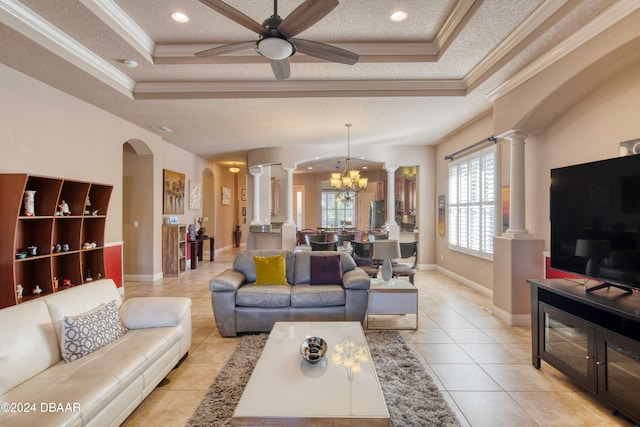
[511, 319]
[426, 266]
[473, 285]
[142, 277]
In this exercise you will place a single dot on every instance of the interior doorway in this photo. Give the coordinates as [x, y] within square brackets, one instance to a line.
[208, 205]
[298, 206]
[364, 204]
[137, 211]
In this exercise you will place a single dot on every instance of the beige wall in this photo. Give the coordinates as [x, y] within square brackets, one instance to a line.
[476, 269]
[47, 132]
[592, 113]
[591, 130]
[311, 195]
[136, 180]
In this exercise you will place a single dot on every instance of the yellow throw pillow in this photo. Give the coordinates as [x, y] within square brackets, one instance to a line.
[271, 270]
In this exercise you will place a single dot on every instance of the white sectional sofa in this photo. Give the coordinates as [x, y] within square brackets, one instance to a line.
[102, 388]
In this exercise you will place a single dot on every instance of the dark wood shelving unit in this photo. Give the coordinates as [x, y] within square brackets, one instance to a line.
[47, 229]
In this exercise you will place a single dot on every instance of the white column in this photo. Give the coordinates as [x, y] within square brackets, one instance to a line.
[256, 171]
[289, 195]
[517, 228]
[391, 195]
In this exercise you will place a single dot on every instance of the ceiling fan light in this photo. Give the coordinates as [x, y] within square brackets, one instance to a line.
[274, 48]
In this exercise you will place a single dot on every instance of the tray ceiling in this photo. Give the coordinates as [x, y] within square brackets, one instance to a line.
[417, 80]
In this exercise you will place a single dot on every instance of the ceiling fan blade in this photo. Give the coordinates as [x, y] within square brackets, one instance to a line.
[325, 51]
[281, 69]
[305, 15]
[228, 48]
[235, 15]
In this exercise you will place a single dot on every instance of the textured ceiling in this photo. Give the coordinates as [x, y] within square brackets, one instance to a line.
[416, 82]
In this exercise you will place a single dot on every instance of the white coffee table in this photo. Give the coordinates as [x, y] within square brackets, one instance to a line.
[394, 297]
[286, 390]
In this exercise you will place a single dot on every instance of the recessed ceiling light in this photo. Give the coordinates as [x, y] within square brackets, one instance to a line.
[309, 167]
[365, 167]
[180, 17]
[131, 63]
[398, 16]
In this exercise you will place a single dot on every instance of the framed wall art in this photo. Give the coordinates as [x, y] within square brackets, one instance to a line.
[226, 196]
[506, 203]
[173, 192]
[195, 195]
[244, 195]
[441, 215]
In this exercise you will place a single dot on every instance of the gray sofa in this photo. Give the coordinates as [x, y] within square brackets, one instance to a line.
[239, 305]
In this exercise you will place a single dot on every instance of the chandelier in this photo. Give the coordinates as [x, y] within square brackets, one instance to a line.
[348, 182]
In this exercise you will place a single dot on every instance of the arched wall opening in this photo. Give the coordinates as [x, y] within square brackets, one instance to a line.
[137, 210]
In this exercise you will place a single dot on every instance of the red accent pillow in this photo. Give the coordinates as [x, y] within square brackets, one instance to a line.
[326, 270]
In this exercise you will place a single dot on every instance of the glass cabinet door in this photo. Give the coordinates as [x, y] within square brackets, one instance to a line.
[568, 342]
[619, 371]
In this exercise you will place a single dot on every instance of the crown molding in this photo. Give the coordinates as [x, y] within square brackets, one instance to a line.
[368, 52]
[25, 21]
[452, 22]
[112, 15]
[298, 89]
[531, 24]
[615, 13]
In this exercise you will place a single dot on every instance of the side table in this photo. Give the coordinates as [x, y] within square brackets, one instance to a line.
[196, 248]
[397, 296]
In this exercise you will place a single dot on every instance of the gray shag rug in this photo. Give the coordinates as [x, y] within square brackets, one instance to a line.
[412, 397]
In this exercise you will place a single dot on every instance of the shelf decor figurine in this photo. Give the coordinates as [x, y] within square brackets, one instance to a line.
[63, 207]
[201, 229]
[19, 290]
[29, 203]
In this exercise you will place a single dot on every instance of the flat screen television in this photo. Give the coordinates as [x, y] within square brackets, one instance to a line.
[595, 221]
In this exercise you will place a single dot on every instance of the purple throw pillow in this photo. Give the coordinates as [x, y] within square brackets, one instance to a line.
[326, 270]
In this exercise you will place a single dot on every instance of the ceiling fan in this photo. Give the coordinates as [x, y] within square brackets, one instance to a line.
[277, 42]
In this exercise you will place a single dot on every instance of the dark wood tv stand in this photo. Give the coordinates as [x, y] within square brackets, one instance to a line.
[592, 337]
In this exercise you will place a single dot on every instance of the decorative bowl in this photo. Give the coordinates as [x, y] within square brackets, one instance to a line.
[21, 255]
[313, 349]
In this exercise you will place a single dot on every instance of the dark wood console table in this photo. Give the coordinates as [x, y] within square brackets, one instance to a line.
[199, 256]
[594, 338]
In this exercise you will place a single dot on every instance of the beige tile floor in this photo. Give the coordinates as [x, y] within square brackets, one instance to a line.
[482, 366]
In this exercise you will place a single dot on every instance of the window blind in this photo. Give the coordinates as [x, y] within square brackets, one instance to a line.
[472, 203]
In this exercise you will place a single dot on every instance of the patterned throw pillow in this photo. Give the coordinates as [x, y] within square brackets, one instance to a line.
[90, 331]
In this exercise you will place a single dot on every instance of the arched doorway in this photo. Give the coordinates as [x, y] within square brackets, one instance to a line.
[137, 211]
[208, 203]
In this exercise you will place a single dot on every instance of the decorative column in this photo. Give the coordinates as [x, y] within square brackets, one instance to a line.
[391, 225]
[391, 195]
[517, 228]
[256, 171]
[289, 227]
[517, 256]
[289, 195]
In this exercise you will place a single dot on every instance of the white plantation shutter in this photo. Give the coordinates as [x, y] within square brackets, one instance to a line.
[472, 203]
